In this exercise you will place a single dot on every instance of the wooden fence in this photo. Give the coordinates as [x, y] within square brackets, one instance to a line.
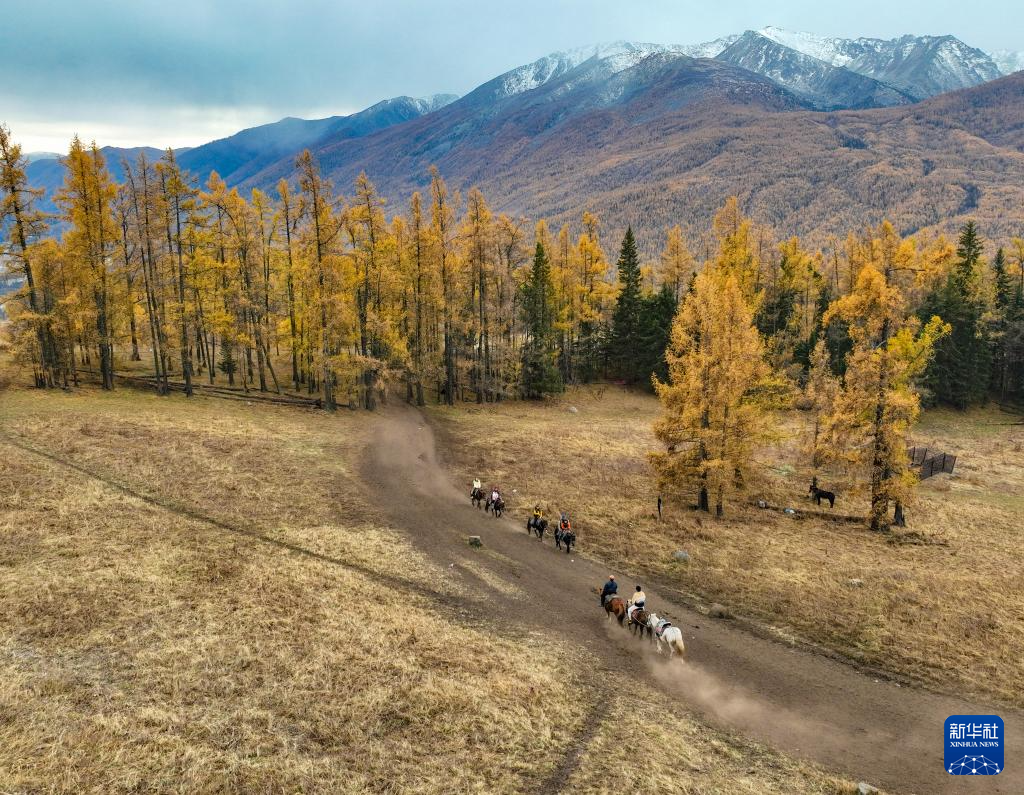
[930, 463]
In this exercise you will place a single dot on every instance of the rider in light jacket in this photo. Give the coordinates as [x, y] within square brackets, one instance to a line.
[639, 598]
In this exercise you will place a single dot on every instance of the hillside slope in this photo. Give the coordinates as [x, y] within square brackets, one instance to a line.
[667, 140]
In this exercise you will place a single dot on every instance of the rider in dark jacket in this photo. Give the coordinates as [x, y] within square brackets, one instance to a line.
[610, 588]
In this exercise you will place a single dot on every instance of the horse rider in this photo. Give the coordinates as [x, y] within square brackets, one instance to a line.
[495, 495]
[637, 602]
[538, 514]
[563, 524]
[610, 589]
[477, 489]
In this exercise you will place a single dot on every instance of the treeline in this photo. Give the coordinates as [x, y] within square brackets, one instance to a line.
[341, 296]
[338, 295]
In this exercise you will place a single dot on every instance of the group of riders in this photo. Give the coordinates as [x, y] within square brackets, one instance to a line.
[494, 501]
[636, 606]
[537, 523]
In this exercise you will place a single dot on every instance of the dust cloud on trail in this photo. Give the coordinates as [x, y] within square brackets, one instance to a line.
[731, 705]
[405, 444]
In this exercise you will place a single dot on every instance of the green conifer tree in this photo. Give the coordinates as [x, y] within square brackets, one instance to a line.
[960, 372]
[624, 343]
[541, 375]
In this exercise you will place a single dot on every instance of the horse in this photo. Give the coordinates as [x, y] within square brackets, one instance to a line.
[567, 537]
[497, 507]
[639, 618]
[671, 635]
[615, 606]
[477, 496]
[538, 525]
[820, 494]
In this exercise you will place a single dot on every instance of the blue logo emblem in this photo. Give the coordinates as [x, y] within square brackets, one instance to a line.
[974, 745]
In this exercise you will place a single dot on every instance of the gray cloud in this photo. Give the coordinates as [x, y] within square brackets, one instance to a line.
[160, 66]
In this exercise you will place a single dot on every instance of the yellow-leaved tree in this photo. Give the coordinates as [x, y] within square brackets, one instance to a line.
[712, 416]
[877, 402]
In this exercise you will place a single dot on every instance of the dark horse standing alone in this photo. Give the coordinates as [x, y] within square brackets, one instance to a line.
[820, 494]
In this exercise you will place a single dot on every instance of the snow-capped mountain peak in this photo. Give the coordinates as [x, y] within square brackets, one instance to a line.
[615, 56]
[920, 65]
[906, 68]
[831, 50]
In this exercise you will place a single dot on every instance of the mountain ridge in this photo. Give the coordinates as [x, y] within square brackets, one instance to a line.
[621, 127]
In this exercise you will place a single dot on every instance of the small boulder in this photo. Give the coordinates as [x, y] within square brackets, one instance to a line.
[762, 504]
[719, 611]
[866, 789]
[681, 555]
[857, 583]
[475, 541]
[573, 410]
[789, 512]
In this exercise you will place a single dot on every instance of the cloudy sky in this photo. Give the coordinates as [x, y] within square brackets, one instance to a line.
[181, 72]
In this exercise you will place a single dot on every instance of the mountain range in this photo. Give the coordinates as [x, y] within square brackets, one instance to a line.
[815, 134]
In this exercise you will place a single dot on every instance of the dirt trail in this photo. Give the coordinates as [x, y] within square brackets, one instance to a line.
[799, 702]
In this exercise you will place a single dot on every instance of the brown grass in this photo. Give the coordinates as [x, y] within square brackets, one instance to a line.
[949, 611]
[145, 649]
[676, 755]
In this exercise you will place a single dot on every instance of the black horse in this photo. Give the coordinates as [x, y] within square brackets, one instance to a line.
[477, 496]
[820, 494]
[497, 507]
[567, 537]
[538, 525]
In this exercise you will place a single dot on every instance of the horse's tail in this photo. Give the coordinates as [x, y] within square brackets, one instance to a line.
[679, 645]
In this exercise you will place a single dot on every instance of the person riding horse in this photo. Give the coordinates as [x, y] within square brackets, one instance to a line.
[564, 533]
[610, 589]
[477, 494]
[637, 602]
[495, 503]
[535, 520]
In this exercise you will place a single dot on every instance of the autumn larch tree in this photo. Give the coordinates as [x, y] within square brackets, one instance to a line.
[17, 202]
[711, 416]
[878, 401]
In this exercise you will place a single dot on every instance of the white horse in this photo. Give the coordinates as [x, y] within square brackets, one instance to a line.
[671, 635]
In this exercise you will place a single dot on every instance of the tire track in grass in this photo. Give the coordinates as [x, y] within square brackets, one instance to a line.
[188, 512]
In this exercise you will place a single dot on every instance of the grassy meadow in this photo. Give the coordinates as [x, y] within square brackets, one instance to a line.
[176, 583]
[942, 604]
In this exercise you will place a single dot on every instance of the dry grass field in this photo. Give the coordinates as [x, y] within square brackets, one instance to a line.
[947, 609]
[182, 609]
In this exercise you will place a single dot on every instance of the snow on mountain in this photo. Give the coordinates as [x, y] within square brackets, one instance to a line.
[615, 56]
[431, 103]
[709, 49]
[831, 50]
[822, 85]
[920, 65]
[1008, 61]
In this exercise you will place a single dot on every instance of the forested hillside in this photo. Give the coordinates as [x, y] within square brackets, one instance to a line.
[341, 295]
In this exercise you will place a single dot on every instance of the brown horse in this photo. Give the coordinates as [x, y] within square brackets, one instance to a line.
[615, 606]
[639, 619]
